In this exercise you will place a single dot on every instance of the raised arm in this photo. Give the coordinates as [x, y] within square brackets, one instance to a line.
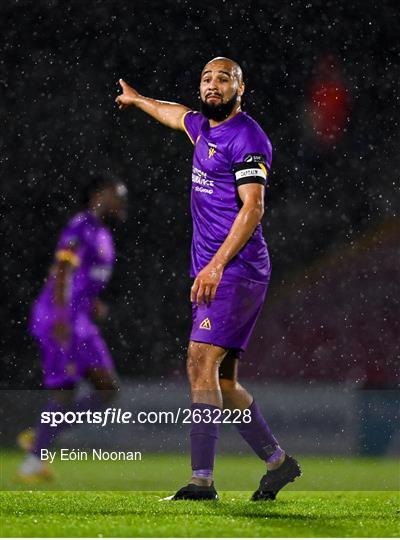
[169, 114]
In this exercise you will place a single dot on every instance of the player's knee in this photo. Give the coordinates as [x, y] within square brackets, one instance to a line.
[193, 371]
[202, 369]
[197, 371]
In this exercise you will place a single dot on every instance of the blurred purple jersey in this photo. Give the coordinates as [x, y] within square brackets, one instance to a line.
[92, 244]
[226, 156]
[89, 246]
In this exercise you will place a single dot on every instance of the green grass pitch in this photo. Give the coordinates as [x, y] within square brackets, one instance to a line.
[335, 498]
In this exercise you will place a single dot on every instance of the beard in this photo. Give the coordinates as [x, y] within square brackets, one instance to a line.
[220, 111]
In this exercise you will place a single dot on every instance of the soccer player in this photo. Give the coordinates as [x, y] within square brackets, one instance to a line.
[62, 322]
[229, 264]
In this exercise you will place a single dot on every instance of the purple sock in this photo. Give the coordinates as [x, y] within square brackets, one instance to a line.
[45, 434]
[259, 436]
[203, 441]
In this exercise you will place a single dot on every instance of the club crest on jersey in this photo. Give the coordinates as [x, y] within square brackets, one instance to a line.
[206, 324]
[212, 148]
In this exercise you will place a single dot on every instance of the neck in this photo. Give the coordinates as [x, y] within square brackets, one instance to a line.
[214, 123]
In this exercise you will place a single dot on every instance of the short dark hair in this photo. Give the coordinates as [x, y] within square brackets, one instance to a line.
[97, 181]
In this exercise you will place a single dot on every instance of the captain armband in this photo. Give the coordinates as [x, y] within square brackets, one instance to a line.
[250, 173]
[66, 255]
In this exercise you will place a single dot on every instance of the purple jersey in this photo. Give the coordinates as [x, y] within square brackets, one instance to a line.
[233, 153]
[88, 245]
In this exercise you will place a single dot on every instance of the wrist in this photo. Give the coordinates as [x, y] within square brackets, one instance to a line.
[218, 262]
[138, 99]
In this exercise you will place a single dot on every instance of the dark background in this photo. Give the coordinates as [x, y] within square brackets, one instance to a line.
[330, 217]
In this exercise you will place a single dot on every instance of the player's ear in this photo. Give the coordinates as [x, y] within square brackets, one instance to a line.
[241, 88]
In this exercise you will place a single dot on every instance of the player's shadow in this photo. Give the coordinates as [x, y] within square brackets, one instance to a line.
[259, 510]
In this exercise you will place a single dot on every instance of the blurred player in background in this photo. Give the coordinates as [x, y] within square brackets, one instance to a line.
[62, 322]
[229, 264]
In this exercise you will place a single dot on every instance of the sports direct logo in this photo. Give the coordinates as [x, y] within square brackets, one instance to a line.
[201, 182]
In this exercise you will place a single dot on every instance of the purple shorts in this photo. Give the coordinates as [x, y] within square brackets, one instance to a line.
[66, 365]
[230, 318]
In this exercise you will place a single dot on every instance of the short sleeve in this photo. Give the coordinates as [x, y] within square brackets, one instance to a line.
[191, 122]
[251, 156]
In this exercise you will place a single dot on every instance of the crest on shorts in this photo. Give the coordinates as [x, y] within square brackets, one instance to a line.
[206, 324]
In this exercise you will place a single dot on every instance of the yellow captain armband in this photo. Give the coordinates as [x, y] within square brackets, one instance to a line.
[66, 255]
[184, 127]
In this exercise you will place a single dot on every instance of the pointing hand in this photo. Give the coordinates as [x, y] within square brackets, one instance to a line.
[128, 96]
